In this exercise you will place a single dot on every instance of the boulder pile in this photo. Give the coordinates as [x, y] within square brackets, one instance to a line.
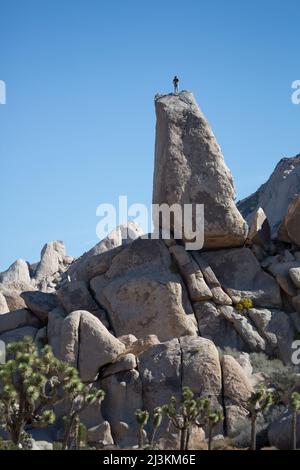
[141, 318]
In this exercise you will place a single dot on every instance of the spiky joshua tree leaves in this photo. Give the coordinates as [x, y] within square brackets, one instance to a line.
[156, 422]
[186, 413]
[80, 397]
[258, 402]
[213, 419]
[32, 381]
[142, 417]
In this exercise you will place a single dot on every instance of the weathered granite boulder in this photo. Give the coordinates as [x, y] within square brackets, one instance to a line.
[123, 396]
[52, 264]
[295, 276]
[214, 326]
[40, 303]
[17, 272]
[87, 267]
[141, 294]
[18, 334]
[97, 260]
[121, 235]
[190, 271]
[17, 319]
[275, 195]
[218, 295]
[259, 230]
[250, 336]
[190, 169]
[277, 329]
[54, 329]
[241, 276]
[100, 434]
[87, 344]
[76, 296]
[3, 304]
[160, 369]
[236, 384]
[145, 304]
[167, 367]
[123, 364]
[12, 293]
[51, 256]
[201, 370]
[137, 346]
[237, 389]
[291, 222]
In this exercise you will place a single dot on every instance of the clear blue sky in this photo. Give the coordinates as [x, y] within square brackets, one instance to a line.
[78, 126]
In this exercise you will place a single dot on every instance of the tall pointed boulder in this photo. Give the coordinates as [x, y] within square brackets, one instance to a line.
[190, 169]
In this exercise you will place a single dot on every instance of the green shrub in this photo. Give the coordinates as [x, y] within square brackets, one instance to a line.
[244, 304]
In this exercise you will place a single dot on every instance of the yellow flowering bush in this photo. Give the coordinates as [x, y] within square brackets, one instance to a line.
[244, 304]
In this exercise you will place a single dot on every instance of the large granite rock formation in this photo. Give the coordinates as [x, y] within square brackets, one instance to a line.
[276, 194]
[190, 169]
[141, 318]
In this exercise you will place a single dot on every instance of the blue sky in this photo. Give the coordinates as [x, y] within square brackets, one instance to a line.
[78, 126]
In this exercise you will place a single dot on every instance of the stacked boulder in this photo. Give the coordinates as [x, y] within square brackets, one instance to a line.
[190, 169]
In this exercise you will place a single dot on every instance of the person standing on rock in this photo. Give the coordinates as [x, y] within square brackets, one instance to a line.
[175, 83]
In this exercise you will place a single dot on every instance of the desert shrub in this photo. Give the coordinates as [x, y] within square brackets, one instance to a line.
[262, 363]
[244, 304]
[228, 351]
[282, 378]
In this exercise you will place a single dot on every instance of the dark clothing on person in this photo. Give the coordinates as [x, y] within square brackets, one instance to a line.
[175, 83]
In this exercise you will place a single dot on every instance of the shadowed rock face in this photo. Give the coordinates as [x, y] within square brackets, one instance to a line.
[276, 194]
[190, 169]
[241, 276]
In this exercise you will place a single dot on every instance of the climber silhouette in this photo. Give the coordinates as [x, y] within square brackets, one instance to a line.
[175, 83]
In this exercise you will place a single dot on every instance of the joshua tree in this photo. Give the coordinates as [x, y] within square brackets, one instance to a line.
[213, 419]
[31, 382]
[80, 397]
[186, 413]
[142, 417]
[295, 406]
[258, 402]
[156, 422]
